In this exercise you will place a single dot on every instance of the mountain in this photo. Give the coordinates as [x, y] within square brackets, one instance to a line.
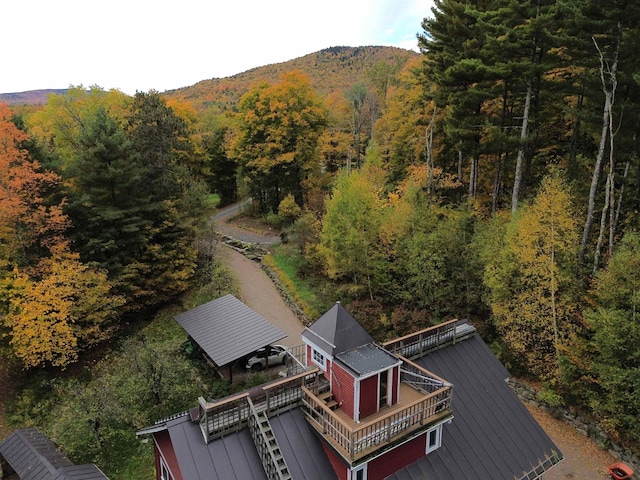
[332, 70]
[32, 97]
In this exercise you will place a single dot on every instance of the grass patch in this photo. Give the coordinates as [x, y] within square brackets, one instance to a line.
[287, 263]
[212, 201]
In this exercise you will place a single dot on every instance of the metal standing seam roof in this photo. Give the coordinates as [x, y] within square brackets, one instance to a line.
[234, 456]
[367, 359]
[34, 457]
[227, 329]
[492, 435]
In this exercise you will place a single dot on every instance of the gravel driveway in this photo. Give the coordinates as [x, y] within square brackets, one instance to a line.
[259, 292]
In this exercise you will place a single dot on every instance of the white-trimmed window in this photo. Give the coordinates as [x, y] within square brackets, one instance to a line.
[164, 471]
[434, 438]
[318, 358]
[359, 473]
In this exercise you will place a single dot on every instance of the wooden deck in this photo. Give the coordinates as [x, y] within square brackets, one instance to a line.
[408, 395]
[416, 410]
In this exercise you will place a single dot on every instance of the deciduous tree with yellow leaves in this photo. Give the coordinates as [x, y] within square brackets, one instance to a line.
[534, 292]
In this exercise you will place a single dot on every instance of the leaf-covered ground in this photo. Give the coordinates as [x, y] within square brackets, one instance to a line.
[583, 459]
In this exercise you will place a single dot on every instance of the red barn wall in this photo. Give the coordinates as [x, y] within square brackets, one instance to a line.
[385, 465]
[163, 446]
[396, 382]
[342, 472]
[309, 357]
[342, 385]
[368, 396]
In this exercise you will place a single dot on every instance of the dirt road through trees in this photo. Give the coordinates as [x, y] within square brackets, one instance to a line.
[259, 293]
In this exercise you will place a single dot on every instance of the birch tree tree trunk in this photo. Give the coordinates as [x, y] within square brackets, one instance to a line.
[614, 223]
[609, 98]
[523, 135]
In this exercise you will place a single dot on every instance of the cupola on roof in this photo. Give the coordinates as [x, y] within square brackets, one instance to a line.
[337, 331]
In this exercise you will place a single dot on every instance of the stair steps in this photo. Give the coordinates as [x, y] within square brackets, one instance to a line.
[267, 445]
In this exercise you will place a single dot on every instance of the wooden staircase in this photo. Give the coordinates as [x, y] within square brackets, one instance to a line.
[266, 443]
[329, 401]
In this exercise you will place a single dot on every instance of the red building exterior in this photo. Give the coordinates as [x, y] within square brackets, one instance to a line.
[365, 383]
[360, 411]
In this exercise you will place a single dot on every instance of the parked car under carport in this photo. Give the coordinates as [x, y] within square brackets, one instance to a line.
[267, 357]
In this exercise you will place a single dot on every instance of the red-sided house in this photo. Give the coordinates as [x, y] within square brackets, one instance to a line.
[392, 409]
[355, 410]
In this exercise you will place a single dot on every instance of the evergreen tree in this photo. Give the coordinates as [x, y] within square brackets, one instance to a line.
[453, 45]
[224, 170]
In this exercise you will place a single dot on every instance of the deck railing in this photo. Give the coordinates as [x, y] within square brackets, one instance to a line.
[296, 360]
[420, 343]
[357, 440]
[414, 375]
[231, 414]
[223, 417]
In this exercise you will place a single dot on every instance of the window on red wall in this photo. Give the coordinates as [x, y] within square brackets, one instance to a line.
[164, 471]
[318, 358]
[434, 438]
[359, 473]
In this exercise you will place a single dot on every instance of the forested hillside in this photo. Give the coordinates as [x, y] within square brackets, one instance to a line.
[495, 176]
[331, 71]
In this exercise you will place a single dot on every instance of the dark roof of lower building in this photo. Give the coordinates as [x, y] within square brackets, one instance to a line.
[227, 329]
[34, 457]
[492, 435]
[337, 331]
[234, 456]
[301, 448]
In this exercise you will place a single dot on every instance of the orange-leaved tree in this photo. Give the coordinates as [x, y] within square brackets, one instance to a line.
[51, 305]
[28, 224]
[277, 139]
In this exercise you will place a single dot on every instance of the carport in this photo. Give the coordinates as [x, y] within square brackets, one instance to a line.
[227, 330]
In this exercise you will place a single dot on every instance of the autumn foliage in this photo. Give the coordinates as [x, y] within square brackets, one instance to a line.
[28, 224]
[54, 305]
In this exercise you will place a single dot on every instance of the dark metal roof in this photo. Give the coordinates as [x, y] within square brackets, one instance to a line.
[34, 457]
[492, 435]
[367, 359]
[301, 448]
[227, 329]
[81, 472]
[234, 457]
[337, 331]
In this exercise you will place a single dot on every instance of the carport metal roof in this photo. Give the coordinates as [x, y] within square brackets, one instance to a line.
[227, 329]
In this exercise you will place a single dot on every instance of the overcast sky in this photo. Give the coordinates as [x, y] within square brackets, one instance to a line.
[153, 44]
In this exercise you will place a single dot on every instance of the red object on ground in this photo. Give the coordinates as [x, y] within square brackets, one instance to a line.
[620, 471]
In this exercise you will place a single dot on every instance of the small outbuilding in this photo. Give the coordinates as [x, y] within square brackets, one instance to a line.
[28, 454]
[227, 330]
